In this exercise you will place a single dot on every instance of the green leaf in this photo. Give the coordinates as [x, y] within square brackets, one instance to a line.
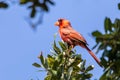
[77, 77]
[43, 61]
[54, 65]
[41, 58]
[53, 72]
[62, 45]
[89, 68]
[50, 60]
[72, 52]
[103, 77]
[36, 65]
[56, 49]
[45, 7]
[94, 46]
[102, 46]
[33, 12]
[89, 76]
[51, 2]
[46, 64]
[3, 5]
[119, 6]
[60, 58]
[117, 25]
[83, 66]
[23, 1]
[70, 70]
[103, 61]
[107, 25]
[75, 62]
[48, 77]
[77, 56]
[96, 33]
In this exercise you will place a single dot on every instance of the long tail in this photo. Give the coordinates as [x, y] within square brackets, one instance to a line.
[93, 55]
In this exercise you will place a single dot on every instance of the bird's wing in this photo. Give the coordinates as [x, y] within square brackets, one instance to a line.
[71, 34]
[74, 35]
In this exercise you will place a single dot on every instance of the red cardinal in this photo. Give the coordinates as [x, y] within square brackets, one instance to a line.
[72, 37]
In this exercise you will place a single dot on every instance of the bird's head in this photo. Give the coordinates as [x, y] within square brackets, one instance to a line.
[62, 22]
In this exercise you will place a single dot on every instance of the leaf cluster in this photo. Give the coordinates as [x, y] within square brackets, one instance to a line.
[37, 4]
[3, 5]
[36, 8]
[64, 64]
[33, 5]
[109, 43]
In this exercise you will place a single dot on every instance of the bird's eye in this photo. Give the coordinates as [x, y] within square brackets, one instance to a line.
[64, 26]
[60, 20]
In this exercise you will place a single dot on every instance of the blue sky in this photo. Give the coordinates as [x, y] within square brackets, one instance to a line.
[20, 45]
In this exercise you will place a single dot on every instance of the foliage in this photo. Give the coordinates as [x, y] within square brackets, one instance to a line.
[64, 64]
[37, 4]
[119, 6]
[109, 43]
[34, 4]
[3, 5]
[35, 7]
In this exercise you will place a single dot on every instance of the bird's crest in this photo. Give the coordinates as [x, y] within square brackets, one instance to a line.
[64, 22]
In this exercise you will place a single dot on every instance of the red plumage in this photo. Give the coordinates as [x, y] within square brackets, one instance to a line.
[72, 37]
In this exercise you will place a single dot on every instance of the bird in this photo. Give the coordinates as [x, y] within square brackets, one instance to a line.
[72, 37]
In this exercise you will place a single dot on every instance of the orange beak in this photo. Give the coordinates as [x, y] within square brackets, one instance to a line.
[57, 23]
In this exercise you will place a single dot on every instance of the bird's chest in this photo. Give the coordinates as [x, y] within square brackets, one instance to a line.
[64, 34]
